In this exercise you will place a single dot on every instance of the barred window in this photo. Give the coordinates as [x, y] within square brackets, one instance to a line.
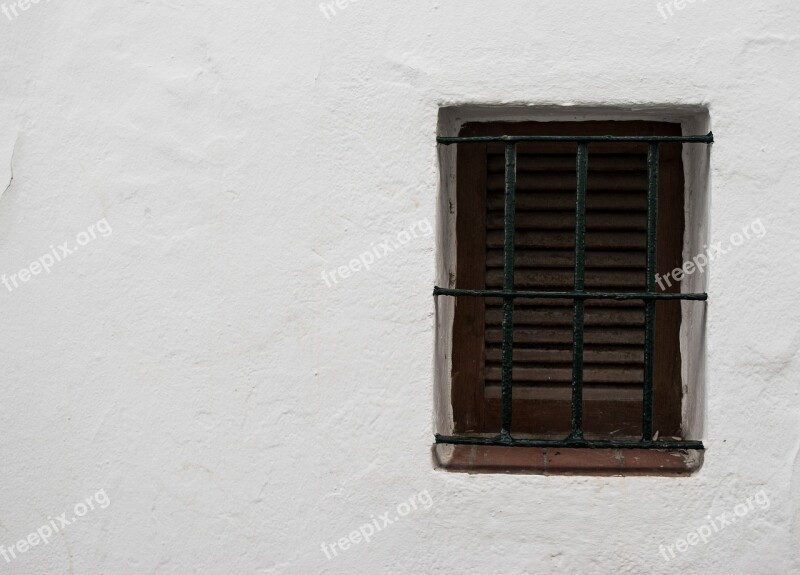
[560, 337]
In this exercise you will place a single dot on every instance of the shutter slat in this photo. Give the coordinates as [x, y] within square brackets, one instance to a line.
[532, 279]
[590, 303]
[565, 258]
[562, 316]
[547, 200]
[549, 375]
[621, 240]
[592, 393]
[533, 220]
[611, 181]
[564, 148]
[566, 162]
[591, 355]
[615, 335]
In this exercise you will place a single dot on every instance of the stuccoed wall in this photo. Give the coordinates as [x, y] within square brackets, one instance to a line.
[238, 409]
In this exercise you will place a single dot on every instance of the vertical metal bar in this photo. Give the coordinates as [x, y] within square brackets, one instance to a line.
[577, 315]
[508, 285]
[650, 286]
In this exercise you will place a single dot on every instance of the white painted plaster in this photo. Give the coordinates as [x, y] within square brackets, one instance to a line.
[236, 410]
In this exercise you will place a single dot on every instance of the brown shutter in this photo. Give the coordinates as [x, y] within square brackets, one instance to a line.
[545, 239]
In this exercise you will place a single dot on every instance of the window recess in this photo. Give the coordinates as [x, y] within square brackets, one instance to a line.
[561, 337]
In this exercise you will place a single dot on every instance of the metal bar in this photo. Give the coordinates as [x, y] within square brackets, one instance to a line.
[437, 291]
[650, 286]
[582, 157]
[702, 139]
[508, 286]
[567, 443]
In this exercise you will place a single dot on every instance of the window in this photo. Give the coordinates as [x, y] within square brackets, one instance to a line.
[561, 339]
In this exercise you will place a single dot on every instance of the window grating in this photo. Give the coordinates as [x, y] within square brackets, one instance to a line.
[579, 295]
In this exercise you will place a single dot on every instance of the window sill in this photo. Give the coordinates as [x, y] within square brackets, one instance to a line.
[569, 461]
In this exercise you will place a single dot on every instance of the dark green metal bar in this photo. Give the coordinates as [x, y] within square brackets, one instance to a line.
[568, 294]
[508, 286]
[508, 294]
[706, 139]
[650, 286]
[565, 443]
[577, 314]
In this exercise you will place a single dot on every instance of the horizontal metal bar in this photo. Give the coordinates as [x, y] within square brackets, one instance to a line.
[506, 441]
[706, 139]
[569, 294]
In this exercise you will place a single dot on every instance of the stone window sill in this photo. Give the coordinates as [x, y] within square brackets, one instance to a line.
[571, 461]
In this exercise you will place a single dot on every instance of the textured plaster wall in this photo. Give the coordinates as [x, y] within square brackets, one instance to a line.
[238, 411]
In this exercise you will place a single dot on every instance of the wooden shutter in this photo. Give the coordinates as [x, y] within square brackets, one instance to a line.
[544, 246]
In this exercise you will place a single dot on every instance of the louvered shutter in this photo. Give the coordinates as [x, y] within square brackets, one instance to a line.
[544, 254]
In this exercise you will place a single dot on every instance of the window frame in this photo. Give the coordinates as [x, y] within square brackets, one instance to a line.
[467, 390]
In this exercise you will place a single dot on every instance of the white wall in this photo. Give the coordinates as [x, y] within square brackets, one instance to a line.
[236, 410]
